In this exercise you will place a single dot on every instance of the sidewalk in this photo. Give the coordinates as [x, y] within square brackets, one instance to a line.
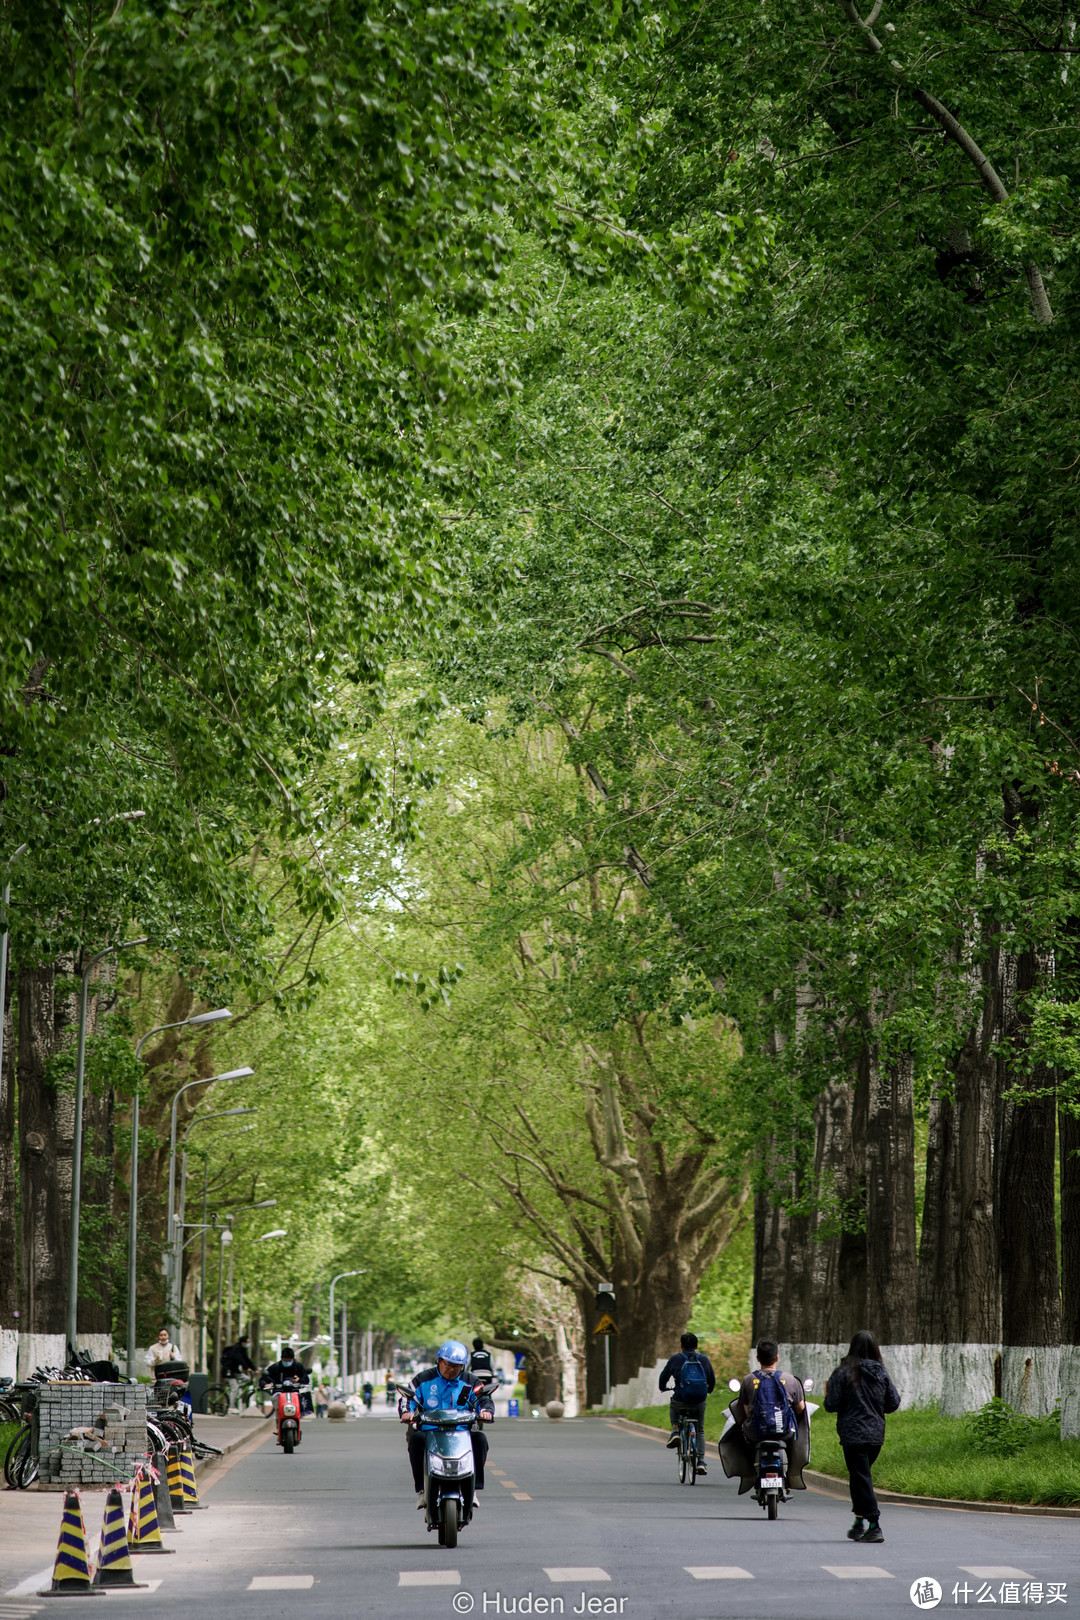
[30, 1520]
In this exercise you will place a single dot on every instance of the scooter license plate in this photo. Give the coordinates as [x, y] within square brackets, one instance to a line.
[771, 1483]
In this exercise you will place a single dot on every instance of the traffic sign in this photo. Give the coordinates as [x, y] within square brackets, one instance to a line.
[605, 1325]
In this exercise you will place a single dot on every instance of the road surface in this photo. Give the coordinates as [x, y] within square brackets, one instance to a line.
[578, 1518]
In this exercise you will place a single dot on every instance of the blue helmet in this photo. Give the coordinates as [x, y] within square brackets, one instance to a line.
[455, 1353]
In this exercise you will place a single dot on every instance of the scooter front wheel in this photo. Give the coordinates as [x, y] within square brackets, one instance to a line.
[448, 1536]
[288, 1440]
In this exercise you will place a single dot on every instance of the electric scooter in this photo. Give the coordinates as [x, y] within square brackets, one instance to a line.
[449, 1482]
[287, 1410]
[767, 1470]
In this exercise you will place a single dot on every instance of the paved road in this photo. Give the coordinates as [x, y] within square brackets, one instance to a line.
[586, 1514]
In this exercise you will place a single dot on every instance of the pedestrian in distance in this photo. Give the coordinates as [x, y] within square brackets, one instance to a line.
[860, 1392]
[694, 1380]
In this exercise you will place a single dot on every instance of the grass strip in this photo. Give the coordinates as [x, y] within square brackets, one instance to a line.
[8, 1431]
[928, 1455]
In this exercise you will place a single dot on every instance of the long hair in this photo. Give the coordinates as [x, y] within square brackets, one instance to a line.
[863, 1347]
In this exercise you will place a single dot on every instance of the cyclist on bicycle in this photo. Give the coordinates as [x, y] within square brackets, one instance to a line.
[694, 1380]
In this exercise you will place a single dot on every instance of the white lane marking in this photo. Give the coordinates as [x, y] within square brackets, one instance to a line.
[125, 1591]
[587, 1572]
[717, 1572]
[31, 1583]
[995, 1572]
[429, 1577]
[858, 1572]
[281, 1583]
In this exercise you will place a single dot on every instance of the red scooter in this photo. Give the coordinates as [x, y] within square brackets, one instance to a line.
[287, 1410]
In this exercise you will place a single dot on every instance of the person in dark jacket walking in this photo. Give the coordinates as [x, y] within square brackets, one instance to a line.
[860, 1392]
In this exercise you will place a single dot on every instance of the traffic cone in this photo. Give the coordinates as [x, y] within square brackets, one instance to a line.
[166, 1522]
[187, 1476]
[114, 1564]
[176, 1483]
[71, 1572]
[144, 1520]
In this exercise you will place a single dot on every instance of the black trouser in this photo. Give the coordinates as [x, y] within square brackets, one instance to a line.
[860, 1460]
[678, 1409]
[417, 1441]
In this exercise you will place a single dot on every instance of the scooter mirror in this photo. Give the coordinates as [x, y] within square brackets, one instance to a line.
[808, 1383]
[733, 1383]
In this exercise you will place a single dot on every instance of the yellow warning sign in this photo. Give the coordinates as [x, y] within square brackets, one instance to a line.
[605, 1325]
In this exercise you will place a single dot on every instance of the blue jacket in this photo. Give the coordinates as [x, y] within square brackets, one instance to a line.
[432, 1391]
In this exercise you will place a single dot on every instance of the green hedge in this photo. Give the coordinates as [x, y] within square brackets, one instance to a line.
[928, 1455]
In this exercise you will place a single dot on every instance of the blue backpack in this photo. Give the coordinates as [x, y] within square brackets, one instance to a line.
[692, 1384]
[772, 1416]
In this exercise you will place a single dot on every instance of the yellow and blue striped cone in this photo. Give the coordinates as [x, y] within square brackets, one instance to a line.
[187, 1476]
[114, 1564]
[71, 1572]
[144, 1519]
[176, 1483]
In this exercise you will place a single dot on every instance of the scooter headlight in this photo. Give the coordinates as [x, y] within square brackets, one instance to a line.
[437, 1464]
[449, 1466]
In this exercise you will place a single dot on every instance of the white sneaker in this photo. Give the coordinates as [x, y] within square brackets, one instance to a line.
[421, 1499]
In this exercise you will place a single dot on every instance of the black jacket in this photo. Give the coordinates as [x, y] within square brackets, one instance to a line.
[674, 1366]
[860, 1407]
[279, 1371]
[235, 1359]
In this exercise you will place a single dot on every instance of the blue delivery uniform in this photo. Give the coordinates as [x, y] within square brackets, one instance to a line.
[431, 1392]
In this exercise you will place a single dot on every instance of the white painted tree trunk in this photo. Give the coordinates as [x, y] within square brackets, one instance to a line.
[9, 1353]
[40, 1350]
[568, 1362]
[1069, 1387]
[967, 1377]
[1029, 1377]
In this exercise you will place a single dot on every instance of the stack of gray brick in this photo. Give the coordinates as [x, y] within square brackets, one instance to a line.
[116, 1413]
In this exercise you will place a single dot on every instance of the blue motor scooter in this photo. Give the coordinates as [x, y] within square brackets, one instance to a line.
[449, 1474]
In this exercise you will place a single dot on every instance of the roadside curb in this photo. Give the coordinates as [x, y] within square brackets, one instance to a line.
[204, 1464]
[829, 1485]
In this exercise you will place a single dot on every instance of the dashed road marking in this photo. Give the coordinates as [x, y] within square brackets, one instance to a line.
[586, 1572]
[429, 1577]
[995, 1572]
[717, 1572]
[508, 1484]
[522, 1496]
[281, 1583]
[858, 1572]
[497, 1473]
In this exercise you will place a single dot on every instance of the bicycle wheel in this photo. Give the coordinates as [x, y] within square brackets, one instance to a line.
[692, 1466]
[17, 1458]
[216, 1401]
[682, 1467]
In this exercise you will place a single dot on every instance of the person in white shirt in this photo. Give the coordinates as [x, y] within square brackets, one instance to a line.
[162, 1351]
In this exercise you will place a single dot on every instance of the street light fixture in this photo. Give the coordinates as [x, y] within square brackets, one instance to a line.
[333, 1352]
[173, 1239]
[278, 1232]
[215, 1017]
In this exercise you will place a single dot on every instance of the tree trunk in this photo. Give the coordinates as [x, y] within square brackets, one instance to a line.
[938, 1283]
[95, 1317]
[1027, 1232]
[46, 1125]
[9, 1202]
[890, 1197]
[1069, 1137]
[968, 1363]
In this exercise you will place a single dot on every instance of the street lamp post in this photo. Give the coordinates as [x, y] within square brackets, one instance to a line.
[333, 1352]
[214, 1017]
[223, 1113]
[173, 1239]
[226, 1239]
[76, 1145]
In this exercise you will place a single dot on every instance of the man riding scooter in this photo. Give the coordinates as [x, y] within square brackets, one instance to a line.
[289, 1370]
[440, 1388]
